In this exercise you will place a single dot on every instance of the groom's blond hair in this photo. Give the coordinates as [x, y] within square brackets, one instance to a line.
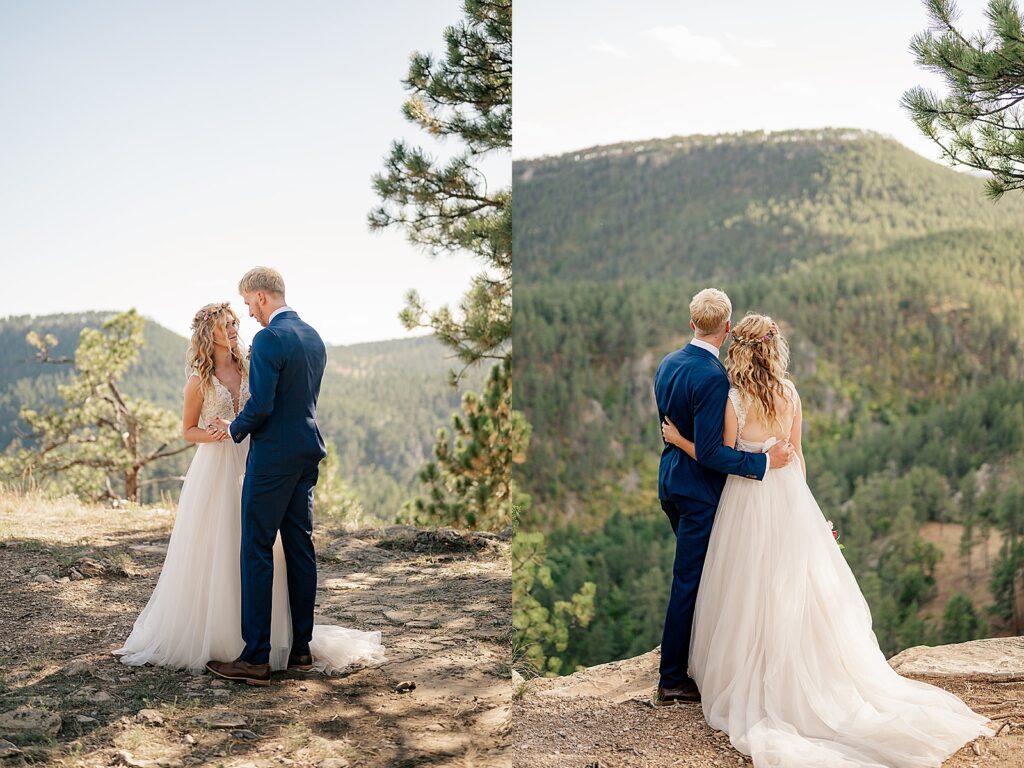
[262, 279]
[710, 310]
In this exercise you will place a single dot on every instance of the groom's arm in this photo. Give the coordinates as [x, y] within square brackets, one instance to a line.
[708, 425]
[265, 366]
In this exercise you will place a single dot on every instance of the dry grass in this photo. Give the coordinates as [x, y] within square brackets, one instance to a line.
[445, 615]
[68, 521]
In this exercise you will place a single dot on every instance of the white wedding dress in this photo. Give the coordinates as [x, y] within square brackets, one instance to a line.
[194, 613]
[782, 646]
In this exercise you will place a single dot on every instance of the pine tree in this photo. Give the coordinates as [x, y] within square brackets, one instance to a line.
[445, 207]
[540, 631]
[470, 479]
[960, 622]
[100, 432]
[978, 122]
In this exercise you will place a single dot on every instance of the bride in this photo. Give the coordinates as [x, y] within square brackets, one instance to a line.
[193, 614]
[782, 650]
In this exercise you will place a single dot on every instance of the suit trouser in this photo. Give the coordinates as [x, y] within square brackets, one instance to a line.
[692, 522]
[272, 503]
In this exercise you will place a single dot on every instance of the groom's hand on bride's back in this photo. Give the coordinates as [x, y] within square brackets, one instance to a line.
[779, 455]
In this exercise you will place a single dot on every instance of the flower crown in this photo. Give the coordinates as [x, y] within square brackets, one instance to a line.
[756, 340]
[203, 315]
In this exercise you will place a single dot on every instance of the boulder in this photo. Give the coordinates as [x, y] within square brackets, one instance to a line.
[26, 721]
[996, 659]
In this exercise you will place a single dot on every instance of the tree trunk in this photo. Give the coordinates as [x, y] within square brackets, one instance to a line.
[131, 484]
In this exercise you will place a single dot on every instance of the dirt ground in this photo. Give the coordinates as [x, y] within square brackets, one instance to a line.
[442, 600]
[592, 732]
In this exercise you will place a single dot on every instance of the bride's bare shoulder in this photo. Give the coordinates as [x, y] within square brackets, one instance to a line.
[791, 392]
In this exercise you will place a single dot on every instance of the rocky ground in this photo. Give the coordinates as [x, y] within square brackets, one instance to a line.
[602, 717]
[73, 578]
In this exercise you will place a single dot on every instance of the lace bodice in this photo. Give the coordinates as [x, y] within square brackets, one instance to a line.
[761, 437]
[219, 402]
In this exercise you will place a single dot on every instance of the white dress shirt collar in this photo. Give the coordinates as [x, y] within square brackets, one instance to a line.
[704, 345]
[278, 311]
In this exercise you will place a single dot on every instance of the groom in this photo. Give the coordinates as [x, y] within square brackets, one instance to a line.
[285, 448]
[691, 387]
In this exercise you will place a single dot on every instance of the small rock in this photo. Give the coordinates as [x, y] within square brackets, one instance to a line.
[102, 696]
[189, 739]
[42, 578]
[221, 692]
[149, 717]
[405, 686]
[75, 575]
[226, 720]
[89, 567]
[126, 758]
[85, 720]
[29, 721]
[63, 580]
[7, 749]
[244, 733]
[303, 688]
[334, 762]
[218, 684]
[77, 666]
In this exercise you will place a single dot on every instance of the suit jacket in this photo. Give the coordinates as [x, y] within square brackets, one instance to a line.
[691, 387]
[285, 370]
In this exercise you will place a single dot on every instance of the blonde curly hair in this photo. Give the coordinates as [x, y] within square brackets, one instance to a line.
[757, 363]
[199, 358]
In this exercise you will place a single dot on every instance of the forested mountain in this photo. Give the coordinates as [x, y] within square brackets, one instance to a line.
[381, 402]
[900, 288]
[726, 206]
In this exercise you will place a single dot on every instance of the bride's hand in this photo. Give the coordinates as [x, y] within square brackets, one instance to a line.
[670, 434]
[217, 433]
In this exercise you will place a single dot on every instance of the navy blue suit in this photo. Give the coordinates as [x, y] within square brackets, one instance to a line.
[691, 388]
[285, 448]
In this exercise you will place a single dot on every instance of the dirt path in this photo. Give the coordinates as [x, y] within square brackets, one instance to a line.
[441, 599]
[606, 721]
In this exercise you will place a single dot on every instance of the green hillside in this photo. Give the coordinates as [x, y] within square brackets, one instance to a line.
[381, 402]
[721, 207]
[900, 288]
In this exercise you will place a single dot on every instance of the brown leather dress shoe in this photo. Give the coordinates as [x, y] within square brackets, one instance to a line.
[666, 697]
[300, 663]
[243, 672]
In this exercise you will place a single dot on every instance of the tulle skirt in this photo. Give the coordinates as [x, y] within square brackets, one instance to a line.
[783, 651]
[194, 613]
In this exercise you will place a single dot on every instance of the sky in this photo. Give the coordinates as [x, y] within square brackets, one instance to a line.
[591, 72]
[151, 153]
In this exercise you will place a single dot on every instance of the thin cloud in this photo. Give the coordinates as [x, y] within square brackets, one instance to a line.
[747, 43]
[680, 43]
[603, 46]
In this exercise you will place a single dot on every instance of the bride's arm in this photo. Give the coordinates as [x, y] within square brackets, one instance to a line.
[190, 428]
[729, 431]
[794, 434]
